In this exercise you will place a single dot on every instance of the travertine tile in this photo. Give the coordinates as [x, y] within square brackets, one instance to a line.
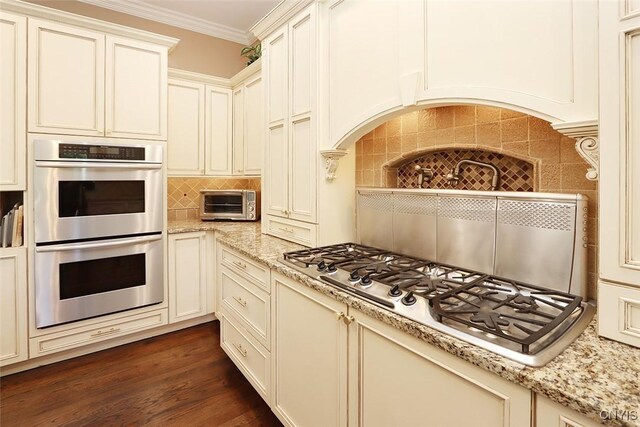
[510, 114]
[367, 161]
[464, 135]
[487, 114]
[394, 144]
[516, 148]
[380, 131]
[426, 139]
[379, 146]
[410, 122]
[171, 215]
[568, 152]
[573, 177]
[409, 142]
[367, 178]
[377, 178]
[444, 117]
[550, 177]
[394, 127]
[464, 115]
[540, 129]
[547, 150]
[488, 134]
[378, 161]
[514, 130]
[444, 137]
[427, 119]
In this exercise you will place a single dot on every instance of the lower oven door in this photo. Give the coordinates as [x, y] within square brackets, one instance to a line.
[82, 280]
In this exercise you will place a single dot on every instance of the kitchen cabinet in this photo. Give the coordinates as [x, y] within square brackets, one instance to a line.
[290, 56]
[13, 99]
[106, 85]
[248, 124]
[13, 305]
[619, 284]
[187, 271]
[218, 131]
[384, 367]
[551, 414]
[309, 356]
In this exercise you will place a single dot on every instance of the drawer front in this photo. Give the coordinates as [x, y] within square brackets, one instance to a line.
[249, 356]
[247, 303]
[48, 344]
[245, 268]
[294, 231]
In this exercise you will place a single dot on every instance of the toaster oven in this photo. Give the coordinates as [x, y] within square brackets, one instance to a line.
[239, 205]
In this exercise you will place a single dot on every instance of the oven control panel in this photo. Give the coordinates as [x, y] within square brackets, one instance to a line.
[101, 152]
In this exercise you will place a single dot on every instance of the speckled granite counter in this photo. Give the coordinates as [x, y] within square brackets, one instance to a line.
[590, 376]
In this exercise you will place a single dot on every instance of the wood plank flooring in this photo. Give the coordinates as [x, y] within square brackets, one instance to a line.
[178, 379]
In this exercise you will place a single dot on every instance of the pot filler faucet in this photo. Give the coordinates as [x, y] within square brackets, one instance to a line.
[454, 176]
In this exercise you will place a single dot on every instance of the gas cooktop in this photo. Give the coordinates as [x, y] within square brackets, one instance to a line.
[523, 322]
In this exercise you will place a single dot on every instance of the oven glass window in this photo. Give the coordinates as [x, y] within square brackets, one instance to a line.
[223, 204]
[101, 275]
[86, 198]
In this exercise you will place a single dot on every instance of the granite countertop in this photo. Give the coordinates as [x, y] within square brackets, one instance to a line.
[592, 375]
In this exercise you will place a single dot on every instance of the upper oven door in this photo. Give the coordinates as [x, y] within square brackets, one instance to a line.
[81, 200]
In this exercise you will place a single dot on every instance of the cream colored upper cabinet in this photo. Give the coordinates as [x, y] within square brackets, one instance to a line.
[382, 56]
[13, 101]
[253, 141]
[238, 130]
[309, 356]
[186, 117]
[619, 286]
[13, 305]
[218, 131]
[136, 89]
[66, 79]
[290, 65]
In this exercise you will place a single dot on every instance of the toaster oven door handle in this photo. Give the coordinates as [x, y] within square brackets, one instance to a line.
[99, 245]
[97, 165]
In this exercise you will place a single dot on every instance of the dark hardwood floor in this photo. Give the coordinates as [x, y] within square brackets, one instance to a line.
[182, 378]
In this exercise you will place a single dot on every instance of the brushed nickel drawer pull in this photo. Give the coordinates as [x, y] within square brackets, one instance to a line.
[240, 301]
[107, 332]
[239, 264]
[241, 350]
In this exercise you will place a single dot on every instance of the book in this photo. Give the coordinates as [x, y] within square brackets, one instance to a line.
[17, 226]
[8, 229]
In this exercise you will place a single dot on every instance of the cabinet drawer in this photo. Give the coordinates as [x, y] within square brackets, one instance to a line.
[245, 267]
[249, 356]
[294, 231]
[67, 340]
[247, 303]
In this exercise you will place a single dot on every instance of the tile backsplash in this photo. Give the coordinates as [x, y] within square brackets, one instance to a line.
[530, 153]
[183, 193]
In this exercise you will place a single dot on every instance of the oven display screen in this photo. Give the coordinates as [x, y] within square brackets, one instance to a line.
[87, 198]
[104, 150]
[97, 276]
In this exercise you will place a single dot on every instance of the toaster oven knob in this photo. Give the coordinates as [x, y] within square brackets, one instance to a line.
[250, 216]
[409, 299]
[250, 208]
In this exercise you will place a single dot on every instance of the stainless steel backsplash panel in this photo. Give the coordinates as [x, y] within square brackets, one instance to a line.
[466, 232]
[537, 238]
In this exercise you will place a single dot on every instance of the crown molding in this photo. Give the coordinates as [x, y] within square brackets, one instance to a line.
[250, 70]
[37, 11]
[280, 14]
[191, 76]
[577, 129]
[173, 18]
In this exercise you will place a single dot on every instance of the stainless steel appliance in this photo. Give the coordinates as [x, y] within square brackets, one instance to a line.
[240, 205]
[98, 209]
[468, 264]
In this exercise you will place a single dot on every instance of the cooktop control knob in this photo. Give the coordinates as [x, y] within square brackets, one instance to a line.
[395, 291]
[331, 268]
[366, 280]
[321, 266]
[409, 299]
[354, 276]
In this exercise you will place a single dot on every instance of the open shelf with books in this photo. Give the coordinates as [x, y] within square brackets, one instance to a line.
[12, 219]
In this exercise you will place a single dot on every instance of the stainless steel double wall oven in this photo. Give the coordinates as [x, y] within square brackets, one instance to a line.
[98, 213]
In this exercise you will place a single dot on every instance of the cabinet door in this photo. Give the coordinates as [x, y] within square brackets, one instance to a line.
[187, 276]
[302, 126]
[13, 306]
[551, 414]
[136, 89]
[238, 130]
[276, 162]
[218, 131]
[253, 126]
[388, 369]
[309, 356]
[65, 79]
[13, 101]
[185, 142]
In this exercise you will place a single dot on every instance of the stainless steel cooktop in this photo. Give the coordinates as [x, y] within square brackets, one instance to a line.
[526, 323]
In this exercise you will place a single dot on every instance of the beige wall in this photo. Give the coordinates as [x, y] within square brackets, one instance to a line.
[195, 52]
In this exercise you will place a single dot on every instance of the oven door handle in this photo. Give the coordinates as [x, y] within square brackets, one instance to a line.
[97, 165]
[98, 245]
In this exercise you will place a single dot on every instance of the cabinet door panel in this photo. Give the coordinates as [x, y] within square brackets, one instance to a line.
[66, 79]
[136, 89]
[185, 142]
[253, 127]
[310, 356]
[13, 101]
[13, 306]
[238, 130]
[187, 276]
[218, 132]
[303, 71]
[303, 171]
[277, 80]
[276, 179]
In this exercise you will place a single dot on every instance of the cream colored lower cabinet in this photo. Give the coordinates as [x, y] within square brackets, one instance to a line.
[13, 305]
[188, 279]
[393, 379]
[309, 356]
[551, 414]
